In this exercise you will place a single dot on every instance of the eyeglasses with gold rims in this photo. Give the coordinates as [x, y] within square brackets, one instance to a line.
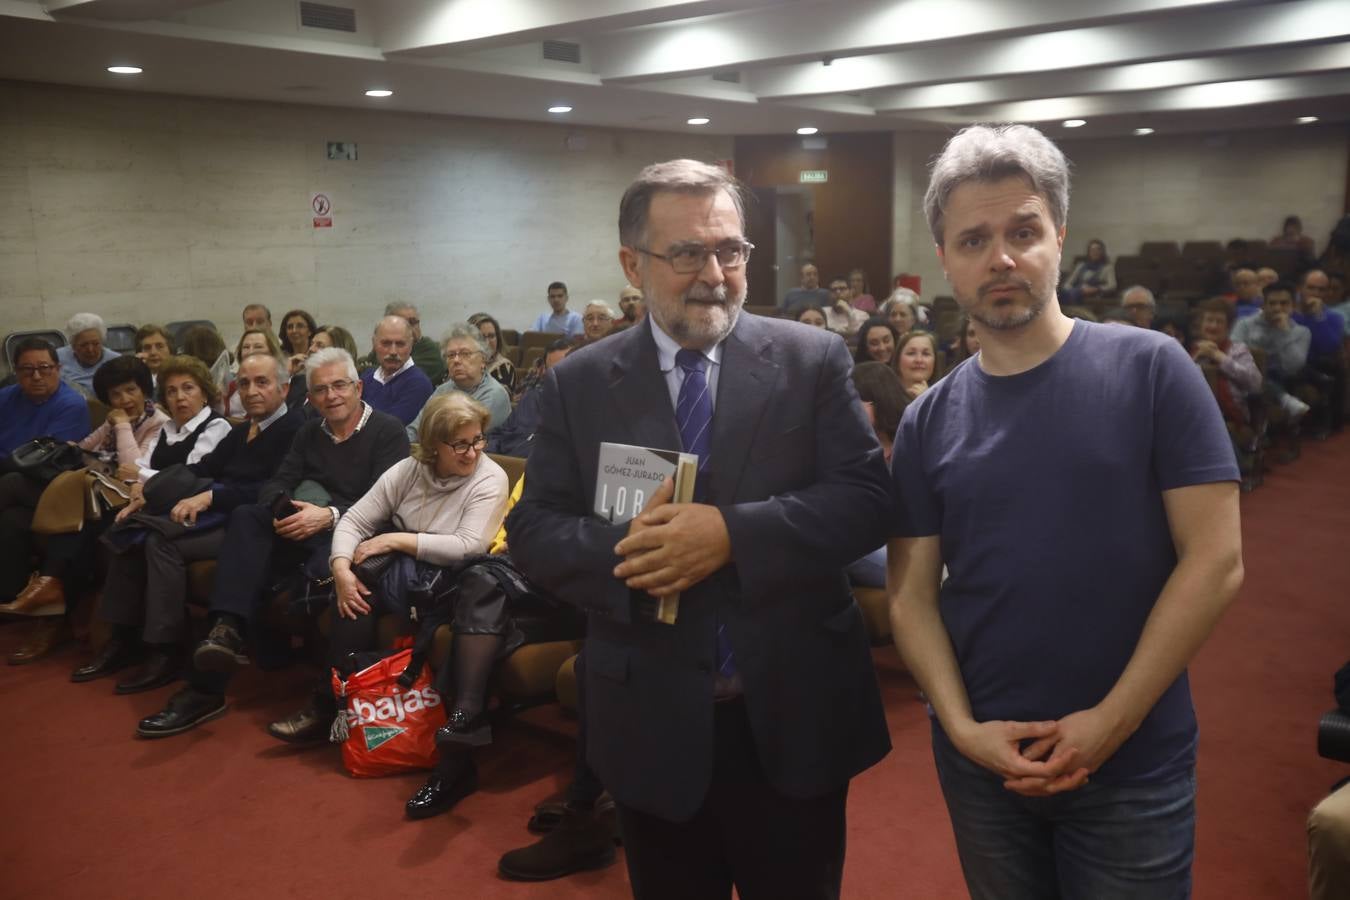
[462, 448]
[688, 259]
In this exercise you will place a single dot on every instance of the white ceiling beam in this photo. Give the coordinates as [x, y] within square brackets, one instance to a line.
[1138, 77]
[836, 29]
[1207, 32]
[425, 27]
[1180, 99]
[121, 10]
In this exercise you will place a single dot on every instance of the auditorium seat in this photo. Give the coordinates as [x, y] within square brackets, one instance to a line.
[540, 339]
[1159, 249]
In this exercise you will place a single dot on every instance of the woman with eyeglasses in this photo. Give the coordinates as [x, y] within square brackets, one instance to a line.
[498, 366]
[443, 505]
[466, 356]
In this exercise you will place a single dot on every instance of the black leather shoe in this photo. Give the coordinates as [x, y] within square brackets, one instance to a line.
[581, 841]
[440, 793]
[186, 710]
[115, 656]
[222, 651]
[460, 729]
[159, 669]
[304, 726]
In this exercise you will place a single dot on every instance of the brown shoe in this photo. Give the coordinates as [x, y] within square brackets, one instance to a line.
[44, 596]
[47, 634]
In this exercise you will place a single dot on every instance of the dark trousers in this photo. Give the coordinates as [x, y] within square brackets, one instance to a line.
[585, 788]
[1332, 374]
[771, 847]
[147, 585]
[19, 496]
[252, 556]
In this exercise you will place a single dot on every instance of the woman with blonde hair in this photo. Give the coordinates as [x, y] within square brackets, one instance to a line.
[442, 506]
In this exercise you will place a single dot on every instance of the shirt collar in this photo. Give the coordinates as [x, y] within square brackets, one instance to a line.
[384, 379]
[280, 411]
[193, 422]
[366, 410]
[666, 348]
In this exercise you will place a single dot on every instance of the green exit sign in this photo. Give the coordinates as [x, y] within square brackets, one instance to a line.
[813, 176]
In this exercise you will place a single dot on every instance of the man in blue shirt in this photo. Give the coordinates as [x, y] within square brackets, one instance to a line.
[561, 320]
[395, 384]
[1077, 482]
[1326, 351]
[86, 352]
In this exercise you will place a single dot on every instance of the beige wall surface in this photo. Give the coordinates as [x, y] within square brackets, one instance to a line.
[1189, 187]
[155, 208]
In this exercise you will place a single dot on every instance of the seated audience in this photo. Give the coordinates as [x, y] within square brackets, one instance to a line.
[332, 461]
[153, 347]
[840, 316]
[811, 315]
[426, 353]
[253, 340]
[498, 366]
[1336, 299]
[515, 436]
[916, 361]
[1266, 275]
[1094, 277]
[884, 399]
[40, 403]
[1232, 375]
[559, 319]
[297, 327]
[631, 305]
[327, 336]
[1246, 292]
[1177, 326]
[187, 391]
[903, 310]
[1285, 343]
[1291, 237]
[68, 560]
[1139, 305]
[465, 354]
[597, 320]
[255, 315]
[860, 296]
[1326, 350]
[877, 340]
[446, 503]
[86, 352]
[204, 343]
[395, 385]
[145, 593]
[965, 345]
[808, 293]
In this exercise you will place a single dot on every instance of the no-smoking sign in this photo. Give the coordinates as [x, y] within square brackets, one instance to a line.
[322, 207]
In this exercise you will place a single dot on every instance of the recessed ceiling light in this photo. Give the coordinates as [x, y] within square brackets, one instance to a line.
[558, 110]
[379, 92]
[1143, 131]
[1306, 120]
[125, 70]
[699, 120]
[809, 129]
[1074, 123]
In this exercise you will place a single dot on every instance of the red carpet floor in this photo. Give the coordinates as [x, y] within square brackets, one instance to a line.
[224, 811]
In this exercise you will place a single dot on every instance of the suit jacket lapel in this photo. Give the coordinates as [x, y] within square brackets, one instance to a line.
[744, 388]
[640, 393]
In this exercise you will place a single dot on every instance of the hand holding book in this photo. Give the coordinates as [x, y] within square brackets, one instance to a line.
[671, 547]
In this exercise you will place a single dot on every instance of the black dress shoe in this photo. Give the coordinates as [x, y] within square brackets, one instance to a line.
[115, 656]
[441, 792]
[186, 710]
[582, 840]
[222, 651]
[304, 726]
[460, 729]
[159, 669]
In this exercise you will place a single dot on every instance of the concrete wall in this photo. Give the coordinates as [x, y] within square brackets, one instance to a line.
[156, 208]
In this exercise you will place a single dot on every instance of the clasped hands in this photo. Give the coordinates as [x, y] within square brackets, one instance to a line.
[671, 547]
[307, 521]
[1061, 755]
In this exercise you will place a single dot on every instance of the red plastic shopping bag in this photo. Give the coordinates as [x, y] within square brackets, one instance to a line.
[383, 726]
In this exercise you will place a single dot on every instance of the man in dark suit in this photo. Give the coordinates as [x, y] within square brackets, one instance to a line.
[727, 739]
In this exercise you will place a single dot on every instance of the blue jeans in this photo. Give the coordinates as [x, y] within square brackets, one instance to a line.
[1100, 842]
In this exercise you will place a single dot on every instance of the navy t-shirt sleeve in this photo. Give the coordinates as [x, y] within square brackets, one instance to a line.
[1190, 441]
[917, 510]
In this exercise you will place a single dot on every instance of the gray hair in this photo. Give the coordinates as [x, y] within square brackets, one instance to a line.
[1138, 289]
[329, 356]
[467, 332]
[86, 322]
[992, 153]
[283, 367]
[681, 176]
[603, 307]
[392, 308]
[391, 319]
[901, 296]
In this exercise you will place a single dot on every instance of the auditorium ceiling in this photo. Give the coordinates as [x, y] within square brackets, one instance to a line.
[746, 66]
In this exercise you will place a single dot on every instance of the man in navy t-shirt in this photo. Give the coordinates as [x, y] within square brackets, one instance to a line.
[1078, 483]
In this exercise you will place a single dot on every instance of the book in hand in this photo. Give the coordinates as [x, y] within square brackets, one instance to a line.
[627, 478]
